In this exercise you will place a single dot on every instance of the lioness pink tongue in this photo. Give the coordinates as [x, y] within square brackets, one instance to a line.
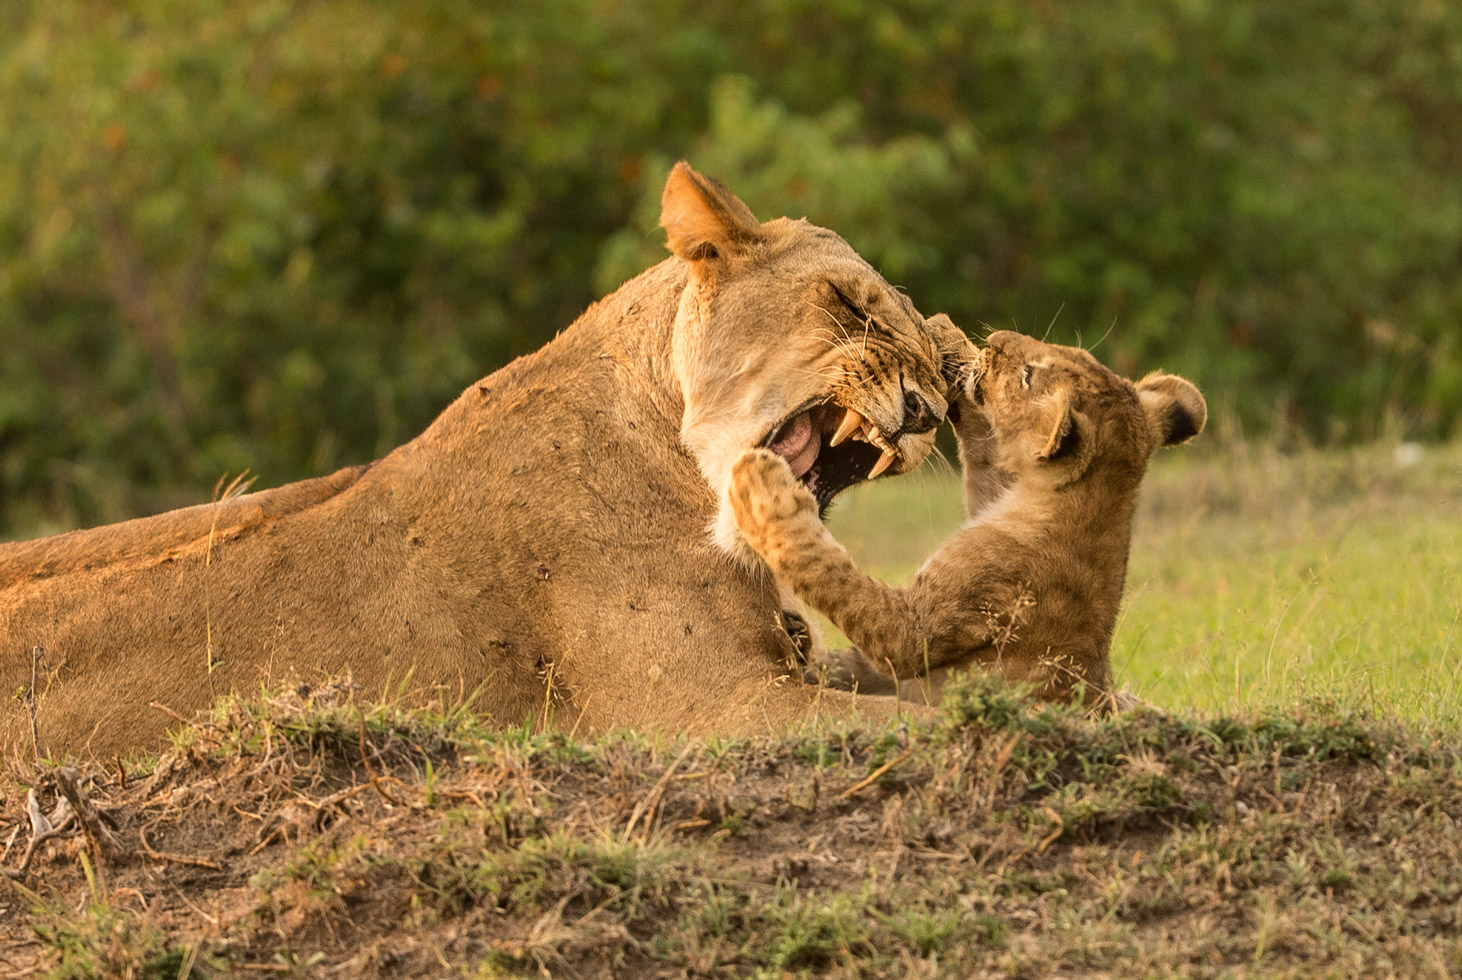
[797, 444]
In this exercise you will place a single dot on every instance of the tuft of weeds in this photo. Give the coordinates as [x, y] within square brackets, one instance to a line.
[104, 940]
[983, 701]
[799, 932]
[932, 930]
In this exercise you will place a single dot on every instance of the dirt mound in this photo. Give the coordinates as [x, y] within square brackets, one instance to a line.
[307, 834]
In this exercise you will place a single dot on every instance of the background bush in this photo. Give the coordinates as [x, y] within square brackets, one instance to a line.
[283, 235]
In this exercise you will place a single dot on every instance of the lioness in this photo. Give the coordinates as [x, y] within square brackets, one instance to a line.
[1053, 447]
[559, 541]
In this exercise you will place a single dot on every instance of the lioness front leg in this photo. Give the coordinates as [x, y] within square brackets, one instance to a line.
[778, 517]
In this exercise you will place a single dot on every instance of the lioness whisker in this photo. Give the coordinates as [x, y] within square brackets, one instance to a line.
[831, 373]
[937, 458]
[1104, 336]
[1053, 323]
[863, 353]
[845, 347]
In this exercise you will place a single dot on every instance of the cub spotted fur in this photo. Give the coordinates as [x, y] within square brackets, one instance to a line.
[1053, 447]
[559, 541]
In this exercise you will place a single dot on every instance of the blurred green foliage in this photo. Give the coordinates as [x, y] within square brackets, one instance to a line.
[282, 235]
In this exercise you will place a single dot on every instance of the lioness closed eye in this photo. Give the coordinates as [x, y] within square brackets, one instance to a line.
[1053, 447]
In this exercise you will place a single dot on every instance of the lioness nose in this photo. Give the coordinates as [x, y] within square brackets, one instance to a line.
[918, 416]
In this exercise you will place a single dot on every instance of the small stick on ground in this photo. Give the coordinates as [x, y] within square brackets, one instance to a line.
[42, 830]
[38, 822]
[869, 780]
[168, 856]
[652, 799]
[19, 873]
[101, 840]
[334, 798]
[377, 782]
[156, 706]
[36, 653]
[10, 841]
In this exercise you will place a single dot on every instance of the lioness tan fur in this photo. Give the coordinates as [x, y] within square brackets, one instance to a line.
[1053, 447]
[558, 541]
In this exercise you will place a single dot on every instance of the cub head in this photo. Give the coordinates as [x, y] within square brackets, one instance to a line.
[785, 338]
[1057, 411]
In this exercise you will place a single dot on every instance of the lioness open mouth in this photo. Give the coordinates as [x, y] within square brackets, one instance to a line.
[830, 448]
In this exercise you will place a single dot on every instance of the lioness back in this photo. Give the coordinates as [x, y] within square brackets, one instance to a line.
[148, 539]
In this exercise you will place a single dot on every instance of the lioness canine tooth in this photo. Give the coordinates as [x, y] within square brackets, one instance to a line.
[884, 462]
[850, 422]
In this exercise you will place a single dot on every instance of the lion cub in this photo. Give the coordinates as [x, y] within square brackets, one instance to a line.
[1053, 446]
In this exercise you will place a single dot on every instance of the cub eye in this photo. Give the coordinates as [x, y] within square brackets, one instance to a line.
[1025, 376]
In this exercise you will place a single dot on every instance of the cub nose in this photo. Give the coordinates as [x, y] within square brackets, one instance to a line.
[918, 416]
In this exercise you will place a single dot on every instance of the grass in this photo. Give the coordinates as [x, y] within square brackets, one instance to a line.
[1257, 578]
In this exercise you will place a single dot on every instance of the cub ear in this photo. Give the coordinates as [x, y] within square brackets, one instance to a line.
[702, 219]
[1065, 430]
[1175, 407]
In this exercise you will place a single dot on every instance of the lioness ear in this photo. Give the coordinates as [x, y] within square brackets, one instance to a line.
[1175, 407]
[1065, 430]
[702, 219]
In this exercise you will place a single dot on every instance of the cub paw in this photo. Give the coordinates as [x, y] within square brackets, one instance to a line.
[764, 492]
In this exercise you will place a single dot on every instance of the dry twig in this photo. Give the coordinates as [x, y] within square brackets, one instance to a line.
[652, 798]
[42, 830]
[872, 777]
[36, 653]
[100, 839]
[376, 781]
[166, 856]
[38, 822]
